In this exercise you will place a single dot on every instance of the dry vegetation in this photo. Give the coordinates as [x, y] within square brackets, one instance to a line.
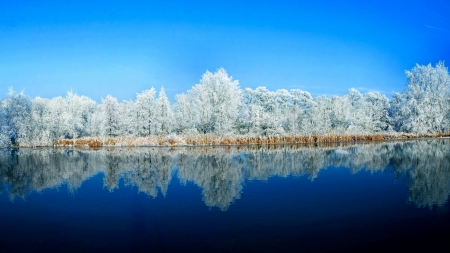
[214, 139]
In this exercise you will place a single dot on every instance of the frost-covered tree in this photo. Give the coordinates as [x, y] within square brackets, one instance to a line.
[216, 100]
[56, 118]
[16, 116]
[424, 105]
[163, 114]
[76, 112]
[302, 103]
[218, 105]
[184, 115]
[39, 131]
[56, 110]
[284, 110]
[377, 109]
[144, 109]
[5, 140]
[128, 122]
[261, 112]
[96, 125]
[319, 116]
[110, 108]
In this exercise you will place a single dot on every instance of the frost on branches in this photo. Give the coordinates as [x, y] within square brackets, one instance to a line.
[218, 106]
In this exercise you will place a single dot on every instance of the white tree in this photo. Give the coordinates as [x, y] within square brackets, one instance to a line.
[129, 126]
[424, 105]
[164, 117]
[319, 117]
[184, 115]
[144, 109]
[110, 108]
[16, 111]
[39, 130]
[302, 103]
[56, 111]
[5, 139]
[262, 111]
[96, 125]
[216, 99]
[284, 110]
[377, 108]
[75, 114]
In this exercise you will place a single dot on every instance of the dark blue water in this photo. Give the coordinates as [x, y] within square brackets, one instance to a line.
[338, 197]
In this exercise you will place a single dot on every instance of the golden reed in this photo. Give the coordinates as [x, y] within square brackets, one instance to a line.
[215, 139]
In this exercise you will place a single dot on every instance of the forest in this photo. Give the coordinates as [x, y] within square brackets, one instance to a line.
[217, 108]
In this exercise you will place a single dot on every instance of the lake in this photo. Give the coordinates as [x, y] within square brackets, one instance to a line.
[311, 198]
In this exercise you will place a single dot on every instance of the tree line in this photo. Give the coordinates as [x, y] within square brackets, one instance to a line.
[217, 105]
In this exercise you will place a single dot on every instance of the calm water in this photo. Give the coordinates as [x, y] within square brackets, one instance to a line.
[336, 197]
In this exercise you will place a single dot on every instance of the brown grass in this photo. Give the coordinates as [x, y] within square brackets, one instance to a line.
[215, 139]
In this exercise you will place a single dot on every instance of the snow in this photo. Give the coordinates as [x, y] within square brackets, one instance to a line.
[218, 108]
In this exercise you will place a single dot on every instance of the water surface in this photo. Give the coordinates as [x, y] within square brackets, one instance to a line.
[332, 197]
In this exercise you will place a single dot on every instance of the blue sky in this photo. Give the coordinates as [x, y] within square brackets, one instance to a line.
[120, 48]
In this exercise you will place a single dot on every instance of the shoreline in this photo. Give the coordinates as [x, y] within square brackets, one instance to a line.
[220, 140]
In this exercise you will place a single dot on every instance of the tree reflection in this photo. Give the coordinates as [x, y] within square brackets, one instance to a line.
[424, 165]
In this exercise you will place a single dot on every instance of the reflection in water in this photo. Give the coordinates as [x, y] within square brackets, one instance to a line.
[220, 172]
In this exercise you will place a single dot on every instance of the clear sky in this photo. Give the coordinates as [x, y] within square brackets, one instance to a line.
[120, 48]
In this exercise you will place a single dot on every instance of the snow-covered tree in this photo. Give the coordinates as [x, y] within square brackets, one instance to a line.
[144, 109]
[16, 116]
[96, 125]
[163, 114]
[76, 112]
[39, 131]
[128, 122]
[216, 100]
[218, 105]
[262, 112]
[302, 102]
[424, 105]
[377, 108]
[5, 140]
[184, 115]
[110, 108]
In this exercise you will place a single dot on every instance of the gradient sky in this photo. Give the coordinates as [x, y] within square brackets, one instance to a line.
[120, 48]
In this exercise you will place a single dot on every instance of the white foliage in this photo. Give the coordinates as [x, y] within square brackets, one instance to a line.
[163, 114]
[5, 140]
[218, 105]
[424, 106]
[110, 109]
[216, 100]
[184, 115]
[144, 109]
[16, 116]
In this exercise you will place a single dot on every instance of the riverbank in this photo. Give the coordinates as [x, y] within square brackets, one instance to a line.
[214, 139]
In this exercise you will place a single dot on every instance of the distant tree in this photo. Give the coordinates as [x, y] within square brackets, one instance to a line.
[262, 111]
[5, 139]
[128, 126]
[16, 116]
[110, 108]
[302, 102]
[39, 131]
[216, 100]
[144, 109]
[184, 114]
[424, 105]
[377, 109]
[96, 124]
[218, 105]
[164, 117]
[76, 112]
